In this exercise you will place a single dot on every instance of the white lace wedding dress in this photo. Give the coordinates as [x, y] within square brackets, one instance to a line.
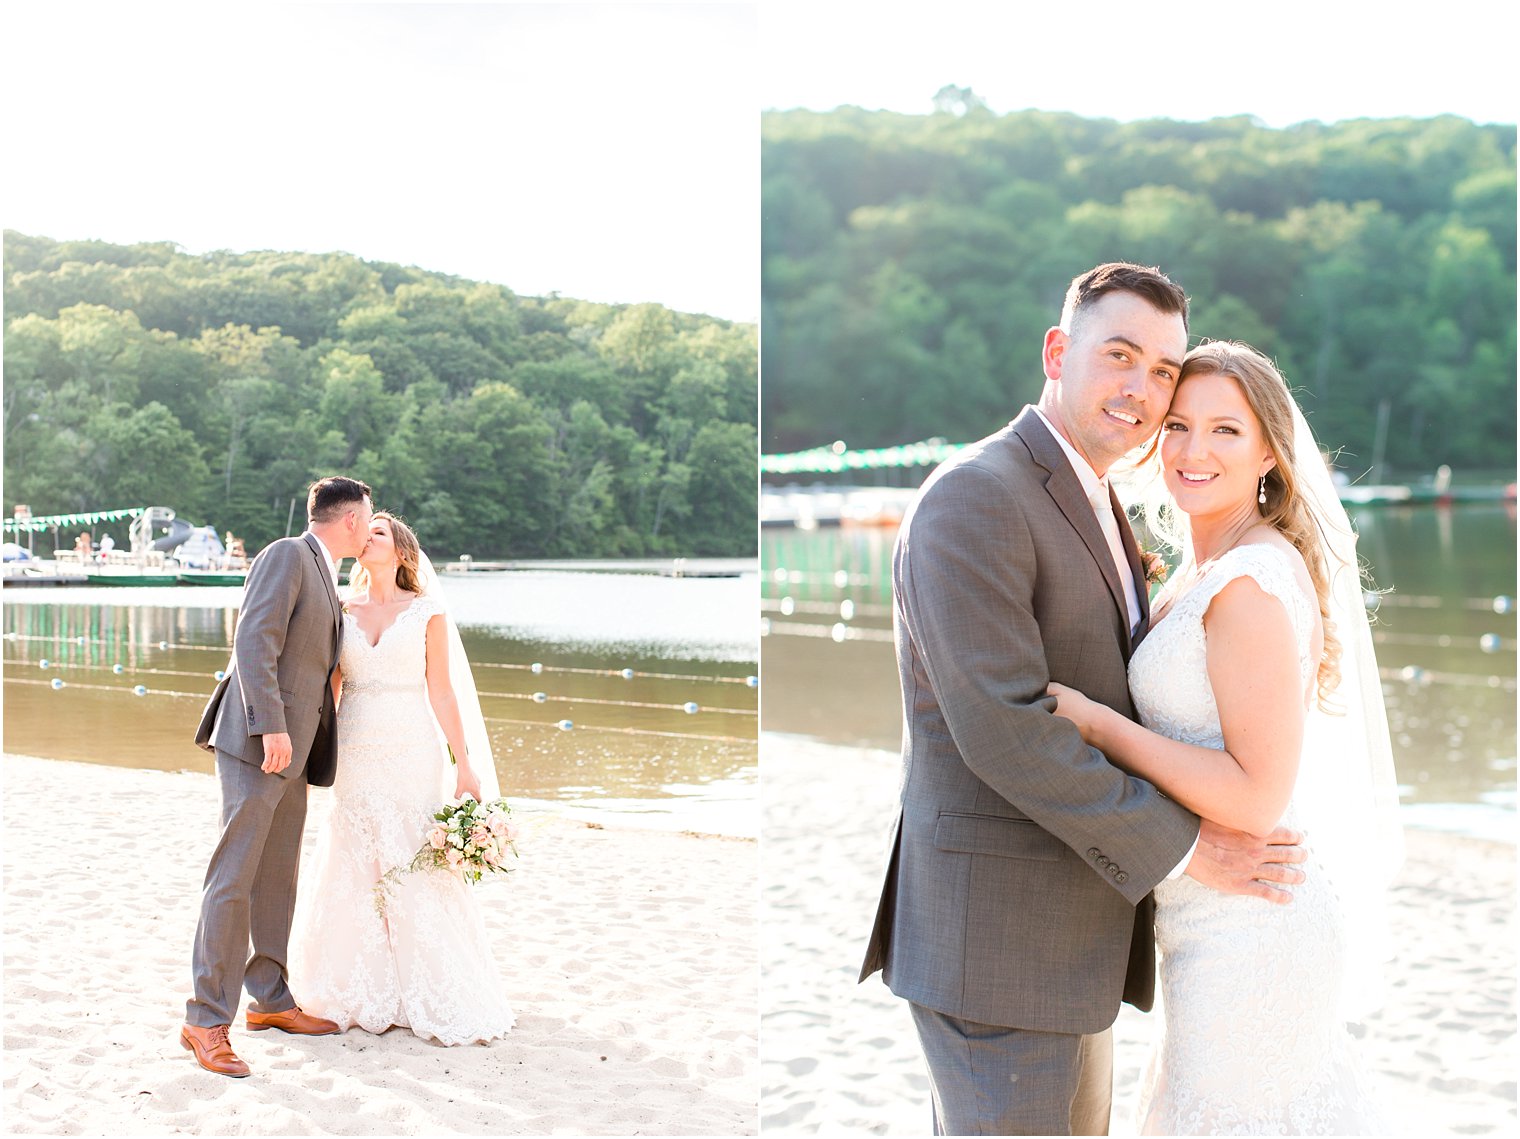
[1253, 1041]
[425, 963]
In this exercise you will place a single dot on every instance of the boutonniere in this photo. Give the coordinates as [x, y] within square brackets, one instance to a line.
[1155, 567]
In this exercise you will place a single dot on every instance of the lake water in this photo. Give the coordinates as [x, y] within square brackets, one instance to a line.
[1446, 649]
[546, 647]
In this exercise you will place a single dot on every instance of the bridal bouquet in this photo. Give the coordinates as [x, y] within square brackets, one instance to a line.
[467, 838]
[472, 838]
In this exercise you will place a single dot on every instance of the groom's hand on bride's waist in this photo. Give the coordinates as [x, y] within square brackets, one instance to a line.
[276, 752]
[1234, 862]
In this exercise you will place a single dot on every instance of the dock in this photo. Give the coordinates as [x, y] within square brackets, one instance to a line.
[659, 567]
[33, 575]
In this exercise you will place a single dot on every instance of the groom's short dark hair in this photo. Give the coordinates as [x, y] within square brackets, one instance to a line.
[330, 497]
[1147, 282]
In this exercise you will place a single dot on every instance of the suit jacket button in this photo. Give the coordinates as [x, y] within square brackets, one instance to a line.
[1114, 869]
[1092, 852]
[1121, 877]
[1102, 861]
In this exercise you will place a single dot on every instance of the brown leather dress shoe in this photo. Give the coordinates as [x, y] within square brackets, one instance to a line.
[291, 1020]
[213, 1051]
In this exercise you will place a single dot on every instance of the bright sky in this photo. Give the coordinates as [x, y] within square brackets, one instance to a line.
[1285, 62]
[609, 152]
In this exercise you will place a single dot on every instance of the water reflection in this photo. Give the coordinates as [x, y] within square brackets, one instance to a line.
[656, 677]
[1446, 651]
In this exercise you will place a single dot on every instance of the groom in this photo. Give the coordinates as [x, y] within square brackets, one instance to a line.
[1017, 910]
[271, 724]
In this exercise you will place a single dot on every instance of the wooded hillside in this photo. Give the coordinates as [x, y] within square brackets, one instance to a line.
[499, 425]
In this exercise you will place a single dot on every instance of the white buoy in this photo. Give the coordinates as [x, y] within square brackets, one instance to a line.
[220, 675]
[691, 707]
[57, 683]
[839, 632]
[79, 640]
[1413, 673]
[788, 606]
[1503, 604]
[627, 674]
[44, 663]
[846, 609]
[752, 681]
[841, 578]
[535, 668]
[539, 697]
[564, 725]
[163, 644]
[140, 690]
[117, 669]
[1489, 642]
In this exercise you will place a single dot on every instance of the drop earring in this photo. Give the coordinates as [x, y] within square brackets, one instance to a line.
[1261, 495]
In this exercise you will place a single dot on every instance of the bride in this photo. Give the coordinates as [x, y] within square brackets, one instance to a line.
[1260, 705]
[423, 963]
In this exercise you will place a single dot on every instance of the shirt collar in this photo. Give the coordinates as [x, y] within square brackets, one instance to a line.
[1091, 483]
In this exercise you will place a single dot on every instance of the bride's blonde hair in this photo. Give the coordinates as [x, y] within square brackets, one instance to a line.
[1286, 509]
[408, 558]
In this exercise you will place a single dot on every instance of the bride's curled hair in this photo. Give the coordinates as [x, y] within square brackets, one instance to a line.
[1286, 508]
[408, 558]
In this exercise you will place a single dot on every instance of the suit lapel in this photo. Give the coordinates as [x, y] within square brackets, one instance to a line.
[1063, 486]
[327, 583]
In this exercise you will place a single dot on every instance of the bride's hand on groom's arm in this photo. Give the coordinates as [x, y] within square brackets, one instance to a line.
[1234, 862]
[1084, 713]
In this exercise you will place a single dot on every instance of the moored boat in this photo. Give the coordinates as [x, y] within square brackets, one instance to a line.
[130, 576]
[211, 577]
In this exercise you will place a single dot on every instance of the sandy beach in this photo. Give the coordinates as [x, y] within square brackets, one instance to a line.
[630, 956]
[841, 1058]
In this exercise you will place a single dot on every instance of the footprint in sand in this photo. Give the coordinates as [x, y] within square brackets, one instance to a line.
[669, 1068]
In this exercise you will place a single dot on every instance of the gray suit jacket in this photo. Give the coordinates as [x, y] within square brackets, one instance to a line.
[284, 652]
[1018, 887]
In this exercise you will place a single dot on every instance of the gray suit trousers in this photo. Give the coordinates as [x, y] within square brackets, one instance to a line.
[989, 1080]
[249, 894]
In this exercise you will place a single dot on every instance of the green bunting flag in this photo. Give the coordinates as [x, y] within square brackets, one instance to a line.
[63, 521]
[831, 460]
